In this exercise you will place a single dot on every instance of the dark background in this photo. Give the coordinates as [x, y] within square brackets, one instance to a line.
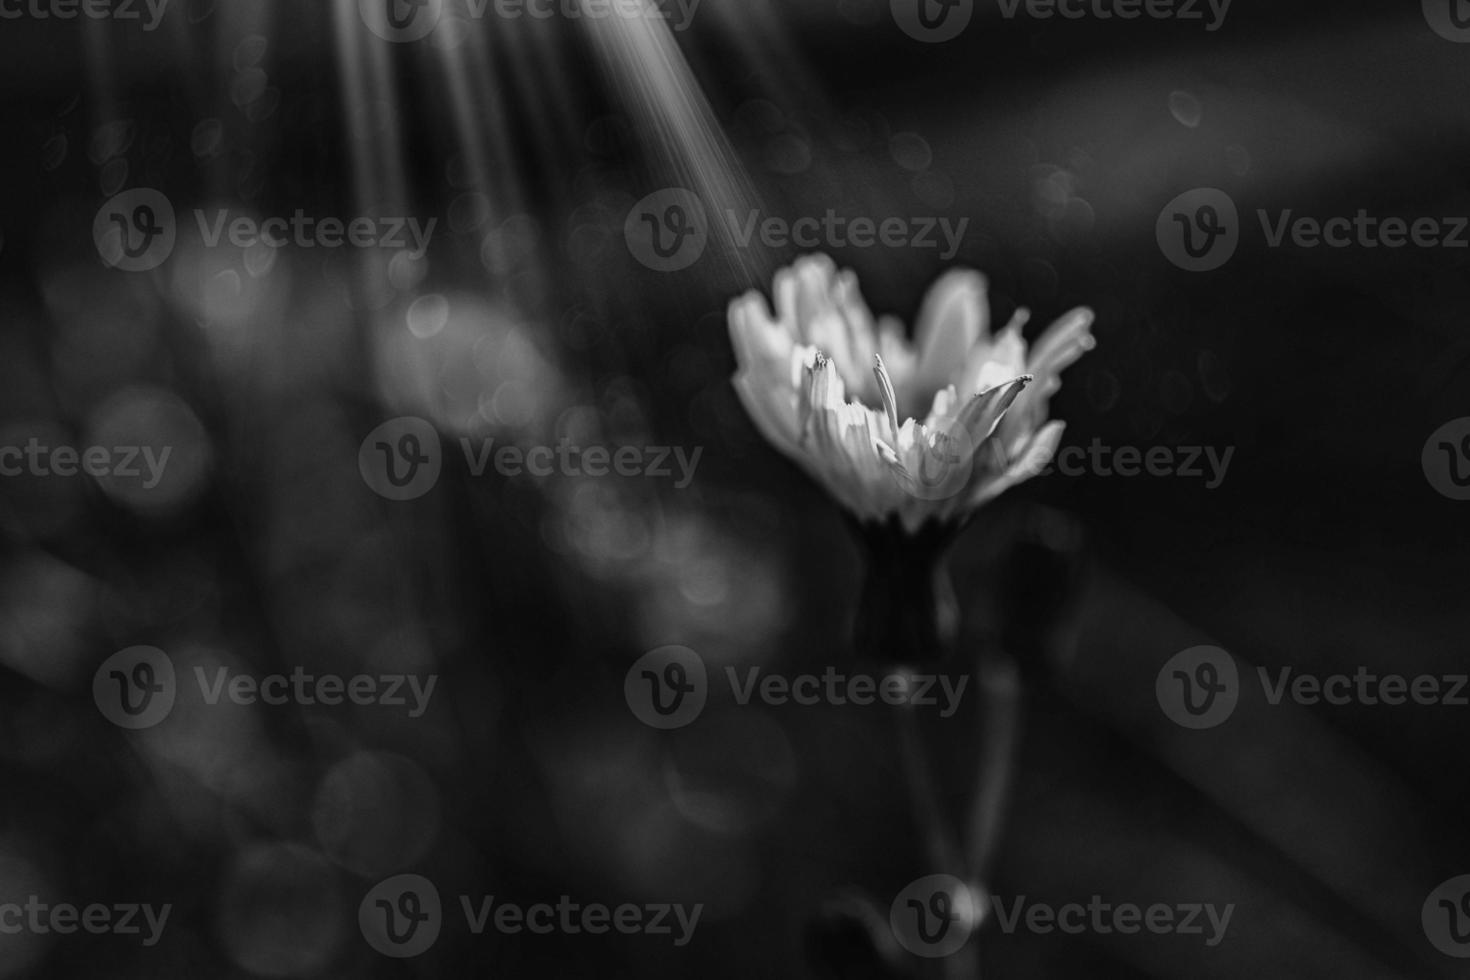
[1324, 549]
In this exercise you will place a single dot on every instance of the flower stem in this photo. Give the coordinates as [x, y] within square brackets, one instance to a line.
[907, 613]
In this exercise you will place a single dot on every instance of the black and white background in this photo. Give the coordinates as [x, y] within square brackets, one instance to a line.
[252, 252]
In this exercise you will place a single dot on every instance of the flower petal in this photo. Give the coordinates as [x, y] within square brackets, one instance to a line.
[845, 455]
[773, 412]
[1037, 455]
[1063, 342]
[983, 413]
[1059, 347]
[954, 318]
[758, 340]
[764, 354]
[825, 309]
[1004, 358]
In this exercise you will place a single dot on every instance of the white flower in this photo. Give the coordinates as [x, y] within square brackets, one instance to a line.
[925, 431]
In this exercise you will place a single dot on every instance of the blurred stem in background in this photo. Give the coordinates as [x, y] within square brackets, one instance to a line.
[999, 735]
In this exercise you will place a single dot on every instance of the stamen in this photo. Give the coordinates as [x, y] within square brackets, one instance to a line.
[821, 380]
